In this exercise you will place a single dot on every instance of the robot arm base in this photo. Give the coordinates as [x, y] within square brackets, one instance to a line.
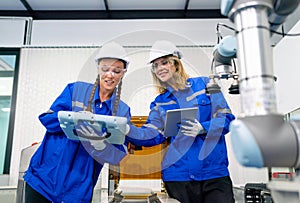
[244, 145]
[266, 141]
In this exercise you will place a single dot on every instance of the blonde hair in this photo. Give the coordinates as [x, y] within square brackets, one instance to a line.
[180, 76]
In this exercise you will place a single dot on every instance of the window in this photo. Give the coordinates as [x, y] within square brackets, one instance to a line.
[9, 62]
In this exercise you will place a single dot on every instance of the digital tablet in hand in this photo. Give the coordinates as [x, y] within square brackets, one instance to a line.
[115, 126]
[174, 118]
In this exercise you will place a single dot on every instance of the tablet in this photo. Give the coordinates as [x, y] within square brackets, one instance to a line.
[174, 118]
[115, 126]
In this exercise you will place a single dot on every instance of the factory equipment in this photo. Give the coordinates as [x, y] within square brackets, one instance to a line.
[261, 137]
[223, 64]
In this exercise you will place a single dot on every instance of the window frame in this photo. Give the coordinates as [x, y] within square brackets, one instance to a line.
[11, 122]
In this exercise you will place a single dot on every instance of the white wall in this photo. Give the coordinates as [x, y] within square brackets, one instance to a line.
[287, 69]
[12, 32]
[95, 32]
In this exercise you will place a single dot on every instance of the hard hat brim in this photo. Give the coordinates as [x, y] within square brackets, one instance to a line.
[124, 61]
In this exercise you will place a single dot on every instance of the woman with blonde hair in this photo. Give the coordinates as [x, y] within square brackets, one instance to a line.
[195, 166]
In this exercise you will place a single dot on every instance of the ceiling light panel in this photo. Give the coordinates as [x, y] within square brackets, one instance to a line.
[204, 4]
[11, 5]
[66, 4]
[146, 5]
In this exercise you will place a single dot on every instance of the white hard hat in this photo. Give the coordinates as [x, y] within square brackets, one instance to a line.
[163, 48]
[112, 50]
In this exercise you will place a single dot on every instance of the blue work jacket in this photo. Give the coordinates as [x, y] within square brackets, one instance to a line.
[187, 158]
[64, 170]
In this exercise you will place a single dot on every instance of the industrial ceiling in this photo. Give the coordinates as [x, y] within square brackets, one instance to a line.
[111, 9]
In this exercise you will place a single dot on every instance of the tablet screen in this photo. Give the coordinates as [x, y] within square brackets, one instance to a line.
[174, 118]
[116, 126]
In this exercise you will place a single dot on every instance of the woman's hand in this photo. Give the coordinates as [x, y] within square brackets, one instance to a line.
[191, 128]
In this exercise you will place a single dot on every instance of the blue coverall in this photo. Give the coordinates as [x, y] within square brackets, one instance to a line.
[64, 170]
[187, 158]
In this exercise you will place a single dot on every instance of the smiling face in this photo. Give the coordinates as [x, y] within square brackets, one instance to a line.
[169, 71]
[111, 72]
[164, 70]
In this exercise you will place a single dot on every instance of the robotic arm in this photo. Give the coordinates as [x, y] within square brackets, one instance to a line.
[278, 9]
[223, 54]
[223, 57]
[261, 137]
